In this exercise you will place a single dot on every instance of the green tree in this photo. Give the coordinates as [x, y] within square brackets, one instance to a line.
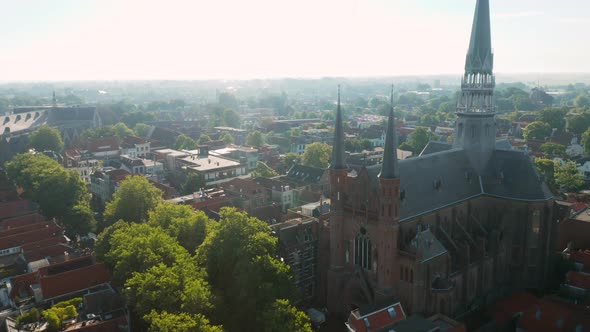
[194, 182]
[553, 149]
[204, 138]
[291, 159]
[537, 130]
[29, 317]
[46, 182]
[133, 201]
[546, 168]
[262, 170]
[179, 287]
[282, 316]
[188, 226]
[231, 118]
[568, 177]
[418, 139]
[184, 142]
[554, 117]
[228, 100]
[46, 138]
[122, 131]
[586, 141]
[53, 321]
[135, 248]
[227, 138]
[179, 322]
[141, 129]
[255, 139]
[79, 220]
[578, 123]
[582, 101]
[246, 281]
[317, 155]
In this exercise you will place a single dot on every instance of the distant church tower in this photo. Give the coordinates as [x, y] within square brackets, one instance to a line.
[476, 128]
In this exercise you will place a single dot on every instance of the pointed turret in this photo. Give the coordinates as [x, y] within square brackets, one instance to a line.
[338, 146]
[479, 57]
[389, 169]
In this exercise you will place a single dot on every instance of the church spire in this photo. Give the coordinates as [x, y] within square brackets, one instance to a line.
[338, 146]
[480, 58]
[389, 169]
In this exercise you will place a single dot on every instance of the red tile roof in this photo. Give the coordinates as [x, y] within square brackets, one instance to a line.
[546, 316]
[75, 280]
[48, 230]
[52, 251]
[24, 228]
[102, 144]
[15, 208]
[504, 310]
[377, 319]
[578, 279]
[23, 220]
[582, 257]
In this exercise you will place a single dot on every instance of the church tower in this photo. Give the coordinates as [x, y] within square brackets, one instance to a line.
[475, 129]
[338, 174]
[388, 221]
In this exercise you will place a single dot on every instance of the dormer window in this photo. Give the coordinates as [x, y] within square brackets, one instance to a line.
[402, 194]
[391, 312]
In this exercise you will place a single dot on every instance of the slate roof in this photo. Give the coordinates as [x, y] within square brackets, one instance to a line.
[427, 246]
[435, 146]
[415, 323]
[59, 114]
[440, 179]
[306, 174]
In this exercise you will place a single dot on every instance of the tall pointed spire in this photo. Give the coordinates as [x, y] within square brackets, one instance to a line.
[479, 57]
[338, 146]
[389, 169]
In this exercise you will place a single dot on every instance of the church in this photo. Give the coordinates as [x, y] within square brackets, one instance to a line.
[452, 229]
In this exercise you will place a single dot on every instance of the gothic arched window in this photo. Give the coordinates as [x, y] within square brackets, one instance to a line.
[362, 251]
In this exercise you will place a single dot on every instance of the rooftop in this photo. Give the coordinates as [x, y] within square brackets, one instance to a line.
[207, 163]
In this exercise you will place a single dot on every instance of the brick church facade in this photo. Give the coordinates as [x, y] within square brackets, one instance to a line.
[454, 228]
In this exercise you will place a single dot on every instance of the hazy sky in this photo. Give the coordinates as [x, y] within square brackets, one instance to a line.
[198, 39]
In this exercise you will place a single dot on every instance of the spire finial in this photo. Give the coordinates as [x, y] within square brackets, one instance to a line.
[389, 169]
[338, 146]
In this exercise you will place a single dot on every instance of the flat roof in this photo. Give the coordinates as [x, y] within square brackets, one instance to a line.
[172, 152]
[207, 163]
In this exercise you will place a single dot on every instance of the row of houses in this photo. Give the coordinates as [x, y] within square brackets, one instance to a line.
[41, 267]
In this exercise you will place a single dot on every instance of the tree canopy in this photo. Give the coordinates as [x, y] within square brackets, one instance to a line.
[141, 129]
[182, 322]
[317, 155]
[553, 149]
[188, 226]
[184, 142]
[418, 139]
[134, 199]
[282, 316]
[264, 171]
[46, 138]
[255, 139]
[246, 281]
[586, 141]
[59, 192]
[537, 130]
[568, 176]
[554, 117]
